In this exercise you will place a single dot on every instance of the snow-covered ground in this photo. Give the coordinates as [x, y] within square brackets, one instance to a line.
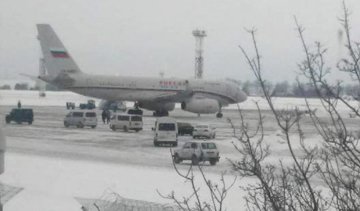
[53, 183]
[55, 164]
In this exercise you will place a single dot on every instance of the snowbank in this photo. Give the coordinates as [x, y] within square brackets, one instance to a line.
[32, 98]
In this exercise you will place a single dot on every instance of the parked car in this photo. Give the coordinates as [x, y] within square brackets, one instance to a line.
[196, 152]
[185, 128]
[81, 118]
[89, 105]
[166, 131]
[204, 131]
[20, 115]
[126, 122]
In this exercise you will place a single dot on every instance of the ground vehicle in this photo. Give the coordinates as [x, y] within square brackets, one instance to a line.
[134, 111]
[166, 131]
[126, 122]
[184, 128]
[197, 151]
[89, 105]
[70, 105]
[204, 131]
[81, 118]
[20, 115]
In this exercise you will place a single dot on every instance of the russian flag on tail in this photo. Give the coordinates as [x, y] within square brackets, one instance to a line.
[56, 53]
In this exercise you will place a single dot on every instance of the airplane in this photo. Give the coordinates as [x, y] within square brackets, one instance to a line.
[156, 94]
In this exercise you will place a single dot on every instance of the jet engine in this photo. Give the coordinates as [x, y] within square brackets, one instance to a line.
[201, 106]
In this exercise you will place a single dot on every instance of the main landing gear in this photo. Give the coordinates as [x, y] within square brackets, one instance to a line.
[219, 114]
[161, 113]
[137, 105]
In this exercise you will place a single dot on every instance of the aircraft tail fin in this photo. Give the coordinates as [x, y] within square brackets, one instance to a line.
[57, 59]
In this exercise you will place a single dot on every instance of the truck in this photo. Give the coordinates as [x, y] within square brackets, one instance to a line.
[20, 115]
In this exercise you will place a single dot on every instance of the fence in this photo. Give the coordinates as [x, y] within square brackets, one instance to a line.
[111, 201]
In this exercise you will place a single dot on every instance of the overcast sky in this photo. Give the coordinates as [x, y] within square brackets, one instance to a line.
[144, 37]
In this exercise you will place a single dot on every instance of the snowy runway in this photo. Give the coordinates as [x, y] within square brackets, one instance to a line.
[55, 164]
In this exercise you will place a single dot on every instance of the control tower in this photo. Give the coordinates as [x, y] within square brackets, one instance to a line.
[199, 60]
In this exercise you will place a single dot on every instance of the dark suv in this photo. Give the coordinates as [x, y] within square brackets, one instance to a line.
[185, 128]
[20, 115]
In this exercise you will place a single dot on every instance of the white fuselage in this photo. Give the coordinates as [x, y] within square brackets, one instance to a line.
[158, 94]
[150, 89]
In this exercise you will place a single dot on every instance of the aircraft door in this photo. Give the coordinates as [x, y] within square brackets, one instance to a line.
[186, 85]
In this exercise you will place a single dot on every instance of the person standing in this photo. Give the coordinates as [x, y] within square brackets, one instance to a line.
[108, 115]
[19, 104]
[103, 116]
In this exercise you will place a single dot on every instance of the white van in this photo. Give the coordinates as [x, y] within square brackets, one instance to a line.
[166, 131]
[81, 118]
[126, 122]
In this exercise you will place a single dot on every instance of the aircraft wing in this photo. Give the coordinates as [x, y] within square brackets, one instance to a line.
[175, 97]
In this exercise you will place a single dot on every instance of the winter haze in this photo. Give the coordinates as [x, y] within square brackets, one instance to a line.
[143, 38]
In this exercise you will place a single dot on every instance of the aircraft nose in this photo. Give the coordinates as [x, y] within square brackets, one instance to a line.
[241, 96]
